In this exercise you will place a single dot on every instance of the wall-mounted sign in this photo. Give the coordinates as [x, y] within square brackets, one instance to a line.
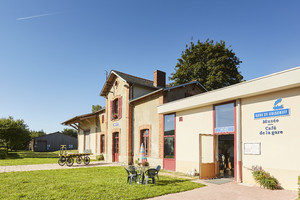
[116, 124]
[224, 129]
[271, 124]
[252, 148]
[278, 111]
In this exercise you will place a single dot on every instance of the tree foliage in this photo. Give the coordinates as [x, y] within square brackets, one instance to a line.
[14, 134]
[70, 132]
[95, 108]
[34, 134]
[212, 64]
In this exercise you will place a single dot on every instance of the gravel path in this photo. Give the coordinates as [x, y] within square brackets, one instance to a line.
[20, 168]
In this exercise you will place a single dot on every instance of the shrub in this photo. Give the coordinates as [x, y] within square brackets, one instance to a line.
[100, 157]
[299, 187]
[3, 154]
[264, 178]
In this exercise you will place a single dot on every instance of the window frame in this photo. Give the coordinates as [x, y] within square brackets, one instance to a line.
[147, 148]
[234, 118]
[116, 108]
[169, 136]
[102, 143]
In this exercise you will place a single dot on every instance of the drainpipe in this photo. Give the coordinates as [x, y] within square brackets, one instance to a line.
[239, 142]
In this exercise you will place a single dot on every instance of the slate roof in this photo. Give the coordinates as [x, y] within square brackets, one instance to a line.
[135, 80]
[128, 78]
[77, 118]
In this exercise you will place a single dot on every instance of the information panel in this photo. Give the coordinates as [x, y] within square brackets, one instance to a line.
[252, 148]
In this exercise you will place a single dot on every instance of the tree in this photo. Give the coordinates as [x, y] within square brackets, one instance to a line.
[34, 134]
[69, 132]
[14, 134]
[95, 108]
[212, 64]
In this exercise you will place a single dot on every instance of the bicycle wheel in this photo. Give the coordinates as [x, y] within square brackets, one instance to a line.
[69, 161]
[62, 161]
[86, 160]
[78, 159]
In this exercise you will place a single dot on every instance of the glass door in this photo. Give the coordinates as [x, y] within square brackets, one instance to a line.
[169, 142]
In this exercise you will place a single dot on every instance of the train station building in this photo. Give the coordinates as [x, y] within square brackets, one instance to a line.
[224, 132]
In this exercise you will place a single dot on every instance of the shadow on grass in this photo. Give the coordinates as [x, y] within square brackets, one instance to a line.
[167, 182]
[12, 155]
[30, 154]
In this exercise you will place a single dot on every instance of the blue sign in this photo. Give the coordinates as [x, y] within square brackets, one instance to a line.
[224, 129]
[278, 111]
[273, 113]
[116, 124]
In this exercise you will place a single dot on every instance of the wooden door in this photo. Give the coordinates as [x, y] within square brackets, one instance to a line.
[207, 157]
[115, 147]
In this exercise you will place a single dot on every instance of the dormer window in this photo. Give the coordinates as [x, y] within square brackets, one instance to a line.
[116, 108]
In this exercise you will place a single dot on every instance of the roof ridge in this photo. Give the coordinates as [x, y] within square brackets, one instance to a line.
[132, 75]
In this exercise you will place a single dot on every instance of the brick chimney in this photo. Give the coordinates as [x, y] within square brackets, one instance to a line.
[159, 79]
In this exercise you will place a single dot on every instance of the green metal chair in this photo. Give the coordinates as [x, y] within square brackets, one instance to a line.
[132, 175]
[158, 167]
[150, 174]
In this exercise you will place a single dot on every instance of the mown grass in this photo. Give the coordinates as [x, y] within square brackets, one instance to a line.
[85, 183]
[30, 157]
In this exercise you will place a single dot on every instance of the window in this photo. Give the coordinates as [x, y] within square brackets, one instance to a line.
[169, 136]
[224, 118]
[87, 140]
[116, 108]
[102, 119]
[145, 140]
[102, 145]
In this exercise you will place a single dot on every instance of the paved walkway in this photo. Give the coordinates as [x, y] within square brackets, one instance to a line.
[227, 191]
[19, 168]
[230, 191]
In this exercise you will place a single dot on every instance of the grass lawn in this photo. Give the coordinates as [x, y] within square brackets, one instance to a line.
[85, 183]
[29, 158]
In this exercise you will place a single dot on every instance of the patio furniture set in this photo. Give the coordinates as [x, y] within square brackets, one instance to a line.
[142, 174]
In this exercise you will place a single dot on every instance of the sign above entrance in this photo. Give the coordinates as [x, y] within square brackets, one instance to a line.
[116, 124]
[224, 129]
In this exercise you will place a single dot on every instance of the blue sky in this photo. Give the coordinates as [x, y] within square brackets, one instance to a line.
[53, 54]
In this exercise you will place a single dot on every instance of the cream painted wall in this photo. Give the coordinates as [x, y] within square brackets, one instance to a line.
[145, 113]
[80, 141]
[196, 121]
[90, 125]
[120, 90]
[279, 153]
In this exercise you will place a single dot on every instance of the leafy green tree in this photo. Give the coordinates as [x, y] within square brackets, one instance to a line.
[14, 133]
[95, 108]
[70, 132]
[212, 64]
[34, 134]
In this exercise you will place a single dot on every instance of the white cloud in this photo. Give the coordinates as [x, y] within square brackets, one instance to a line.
[36, 16]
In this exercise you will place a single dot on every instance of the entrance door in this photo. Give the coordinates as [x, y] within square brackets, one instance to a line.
[169, 142]
[207, 157]
[115, 147]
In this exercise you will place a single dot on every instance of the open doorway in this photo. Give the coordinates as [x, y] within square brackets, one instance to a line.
[226, 156]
